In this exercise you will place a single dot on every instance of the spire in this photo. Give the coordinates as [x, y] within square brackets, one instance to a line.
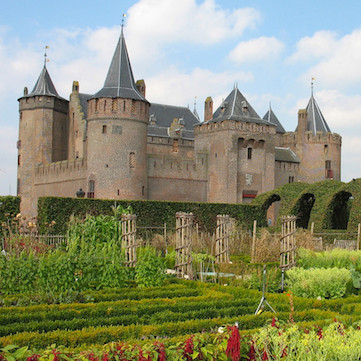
[315, 120]
[271, 117]
[119, 82]
[195, 109]
[44, 85]
[236, 107]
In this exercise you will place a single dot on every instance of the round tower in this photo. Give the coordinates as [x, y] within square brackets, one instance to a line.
[117, 133]
[42, 136]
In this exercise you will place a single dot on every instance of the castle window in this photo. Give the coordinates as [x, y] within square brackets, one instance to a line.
[143, 190]
[96, 105]
[328, 164]
[175, 146]
[249, 153]
[116, 129]
[104, 129]
[114, 105]
[133, 106]
[105, 105]
[21, 115]
[40, 99]
[291, 179]
[91, 189]
[18, 186]
[18, 144]
[19, 159]
[131, 160]
[154, 164]
[124, 106]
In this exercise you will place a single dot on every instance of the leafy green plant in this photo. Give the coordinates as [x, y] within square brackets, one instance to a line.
[149, 270]
[319, 282]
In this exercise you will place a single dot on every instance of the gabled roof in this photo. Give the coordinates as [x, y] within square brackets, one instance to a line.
[315, 120]
[271, 117]
[236, 107]
[119, 82]
[44, 86]
[163, 115]
[286, 155]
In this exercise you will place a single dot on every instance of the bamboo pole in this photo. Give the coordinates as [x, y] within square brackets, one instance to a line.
[254, 240]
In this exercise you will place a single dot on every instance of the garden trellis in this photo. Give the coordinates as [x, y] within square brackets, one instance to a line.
[184, 230]
[288, 242]
[129, 241]
[224, 231]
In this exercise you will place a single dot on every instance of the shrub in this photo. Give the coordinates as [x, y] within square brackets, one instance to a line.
[319, 282]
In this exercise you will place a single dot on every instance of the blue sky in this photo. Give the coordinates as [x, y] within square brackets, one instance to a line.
[185, 49]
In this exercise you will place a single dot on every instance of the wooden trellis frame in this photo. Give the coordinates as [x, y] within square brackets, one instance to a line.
[184, 230]
[288, 242]
[129, 241]
[224, 231]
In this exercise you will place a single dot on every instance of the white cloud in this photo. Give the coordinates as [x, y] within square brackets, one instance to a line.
[262, 48]
[154, 23]
[321, 44]
[339, 60]
[172, 86]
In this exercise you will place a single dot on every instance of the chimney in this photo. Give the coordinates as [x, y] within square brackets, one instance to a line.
[208, 109]
[140, 84]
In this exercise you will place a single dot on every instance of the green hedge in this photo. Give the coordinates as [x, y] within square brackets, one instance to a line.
[9, 205]
[149, 213]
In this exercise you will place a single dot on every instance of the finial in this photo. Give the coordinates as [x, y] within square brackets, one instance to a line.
[123, 18]
[195, 102]
[269, 112]
[312, 85]
[46, 60]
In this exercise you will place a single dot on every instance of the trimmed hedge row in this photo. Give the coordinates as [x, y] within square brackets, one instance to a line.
[102, 335]
[149, 213]
[8, 205]
[171, 291]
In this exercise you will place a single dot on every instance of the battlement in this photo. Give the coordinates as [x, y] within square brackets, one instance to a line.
[178, 167]
[227, 124]
[62, 167]
[310, 138]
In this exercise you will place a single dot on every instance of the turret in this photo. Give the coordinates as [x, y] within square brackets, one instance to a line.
[117, 133]
[42, 133]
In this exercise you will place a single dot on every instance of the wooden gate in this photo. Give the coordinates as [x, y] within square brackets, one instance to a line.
[184, 230]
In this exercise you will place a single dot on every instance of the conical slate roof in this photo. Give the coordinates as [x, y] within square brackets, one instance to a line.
[315, 120]
[236, 107]
[44, 86]
[271, 117]
[119, 82]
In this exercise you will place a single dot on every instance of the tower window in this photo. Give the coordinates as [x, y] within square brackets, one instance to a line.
[104, 129]
[175, 145]
[328, 164]
[249, 153]
[19, 159]
[96, 105]
[114, 105]
[21, 115]
[105, 105]
[131, 160]
[124, 106]
[133, 106]
[91, 189]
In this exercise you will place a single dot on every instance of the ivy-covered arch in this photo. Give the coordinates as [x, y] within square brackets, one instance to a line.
[336, 200]
[303, 209]
[321, 191]
[285, 194]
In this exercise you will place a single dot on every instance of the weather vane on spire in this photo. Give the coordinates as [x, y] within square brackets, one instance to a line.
[123, 18]
[312, 85]
[46, 60]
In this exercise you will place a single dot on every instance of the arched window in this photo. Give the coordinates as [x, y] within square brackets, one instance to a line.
[131, 160]
[91, 189]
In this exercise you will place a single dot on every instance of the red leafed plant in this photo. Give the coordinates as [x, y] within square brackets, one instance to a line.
[233, 346]
[188, 349]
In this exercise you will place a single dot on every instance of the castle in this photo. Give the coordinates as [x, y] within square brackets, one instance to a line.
[114, 144]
